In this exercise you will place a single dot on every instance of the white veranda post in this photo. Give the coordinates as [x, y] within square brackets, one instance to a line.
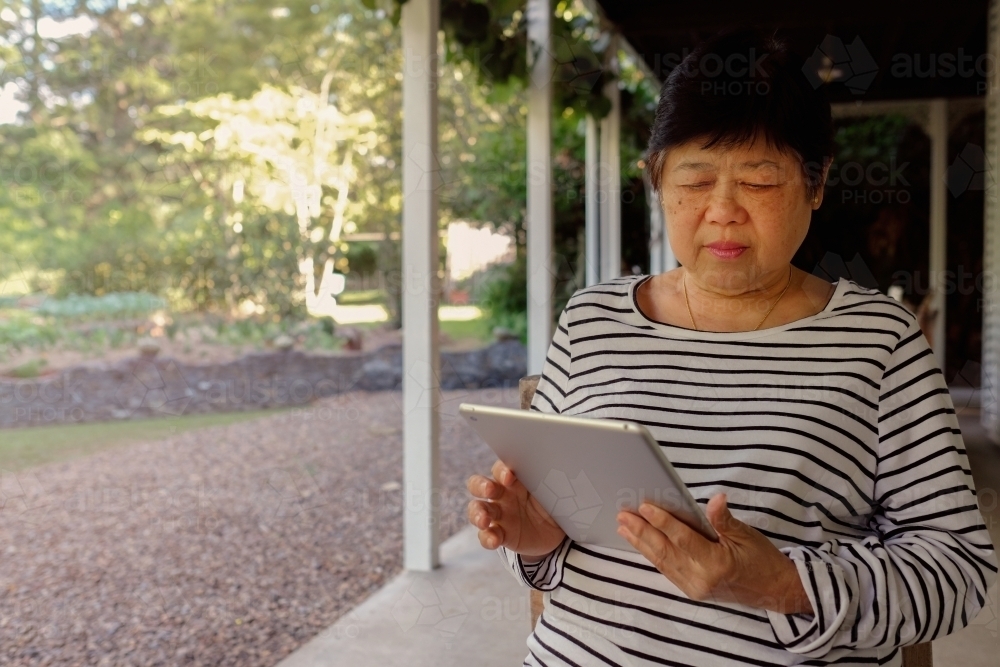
[592, 204]
[421, 359]
[611, 201]
[538, 225]
[937, 130]
[990, 413]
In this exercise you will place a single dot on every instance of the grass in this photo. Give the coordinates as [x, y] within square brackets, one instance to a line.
[29, 369]
[361, 297]
[477, 328]
[461, 329]
[36, 445]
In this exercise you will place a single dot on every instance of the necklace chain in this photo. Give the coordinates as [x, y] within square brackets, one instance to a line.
[686, 301]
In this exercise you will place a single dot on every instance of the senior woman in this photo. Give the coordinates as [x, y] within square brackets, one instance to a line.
[810, 418]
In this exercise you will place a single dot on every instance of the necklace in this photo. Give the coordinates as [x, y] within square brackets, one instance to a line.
[684, 282]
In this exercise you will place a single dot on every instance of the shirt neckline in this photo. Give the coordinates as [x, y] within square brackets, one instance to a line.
[684, 332]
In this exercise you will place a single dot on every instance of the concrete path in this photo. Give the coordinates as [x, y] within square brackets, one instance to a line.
[470, 611]
[978, 645]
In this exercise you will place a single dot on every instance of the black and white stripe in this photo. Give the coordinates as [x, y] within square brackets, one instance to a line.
[833, 435]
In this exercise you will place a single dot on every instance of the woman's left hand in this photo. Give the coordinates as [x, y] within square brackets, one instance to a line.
[743, 566]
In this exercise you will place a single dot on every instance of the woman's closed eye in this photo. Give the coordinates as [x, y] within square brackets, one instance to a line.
[753, 186]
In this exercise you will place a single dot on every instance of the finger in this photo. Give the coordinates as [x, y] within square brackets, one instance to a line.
[491, 538]
[650, 541]
[481, 486]
[481, 513]
[657, 550]
[719, 515]
[679, 533]
[503, 474]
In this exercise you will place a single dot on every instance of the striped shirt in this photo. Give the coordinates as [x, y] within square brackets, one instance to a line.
[833, 435]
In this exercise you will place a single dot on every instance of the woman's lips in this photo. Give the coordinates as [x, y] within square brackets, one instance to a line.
[726, 250]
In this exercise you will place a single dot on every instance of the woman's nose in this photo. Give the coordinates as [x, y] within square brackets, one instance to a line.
[723, 207]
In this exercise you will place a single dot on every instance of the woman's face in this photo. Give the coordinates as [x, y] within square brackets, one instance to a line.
[735, 216]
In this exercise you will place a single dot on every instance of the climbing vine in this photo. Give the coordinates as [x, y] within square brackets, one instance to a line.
[493, 37]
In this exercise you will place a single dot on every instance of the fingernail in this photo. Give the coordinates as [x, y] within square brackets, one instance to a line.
[645, 509]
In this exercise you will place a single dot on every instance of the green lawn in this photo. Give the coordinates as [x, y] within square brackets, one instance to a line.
[361, 297]
[460, 329]
[25, 447]
[477, 328]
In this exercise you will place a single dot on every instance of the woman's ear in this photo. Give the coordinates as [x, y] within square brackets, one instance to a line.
[826, 170]
[817, 199]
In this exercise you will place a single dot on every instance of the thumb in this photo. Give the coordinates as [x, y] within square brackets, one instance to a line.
[719, 515]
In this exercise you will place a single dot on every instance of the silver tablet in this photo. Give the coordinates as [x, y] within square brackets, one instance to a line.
[584, 471]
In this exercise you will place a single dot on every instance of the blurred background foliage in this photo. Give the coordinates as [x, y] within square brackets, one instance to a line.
[216, 154]
[122, 174]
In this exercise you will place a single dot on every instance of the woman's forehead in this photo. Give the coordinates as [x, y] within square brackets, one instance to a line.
[695, 164]
[692, 156]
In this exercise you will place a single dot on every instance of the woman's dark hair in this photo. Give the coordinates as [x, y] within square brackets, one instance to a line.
[737, 88]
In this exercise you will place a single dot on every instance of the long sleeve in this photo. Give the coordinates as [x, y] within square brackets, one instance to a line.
[554, 381]
[925, 569]
[546, 574]
[553, 385]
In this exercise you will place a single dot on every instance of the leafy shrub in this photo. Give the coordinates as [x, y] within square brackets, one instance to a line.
[362, 258]
[23, 331]
[29, 369]
[115, 304]
[504, 297]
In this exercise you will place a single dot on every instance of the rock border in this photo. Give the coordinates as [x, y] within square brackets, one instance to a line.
[142, 387]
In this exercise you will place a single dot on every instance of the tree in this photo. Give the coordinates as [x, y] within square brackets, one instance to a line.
[294, 147]
[141, 162]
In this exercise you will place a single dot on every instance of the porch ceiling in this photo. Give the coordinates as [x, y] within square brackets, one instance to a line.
[892, 32]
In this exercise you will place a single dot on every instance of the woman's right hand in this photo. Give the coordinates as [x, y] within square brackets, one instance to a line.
[507, 515]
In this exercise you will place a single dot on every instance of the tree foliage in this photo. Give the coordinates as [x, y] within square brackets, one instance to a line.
[163, 143]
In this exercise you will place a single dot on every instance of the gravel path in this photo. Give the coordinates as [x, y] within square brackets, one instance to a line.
[224, 546]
